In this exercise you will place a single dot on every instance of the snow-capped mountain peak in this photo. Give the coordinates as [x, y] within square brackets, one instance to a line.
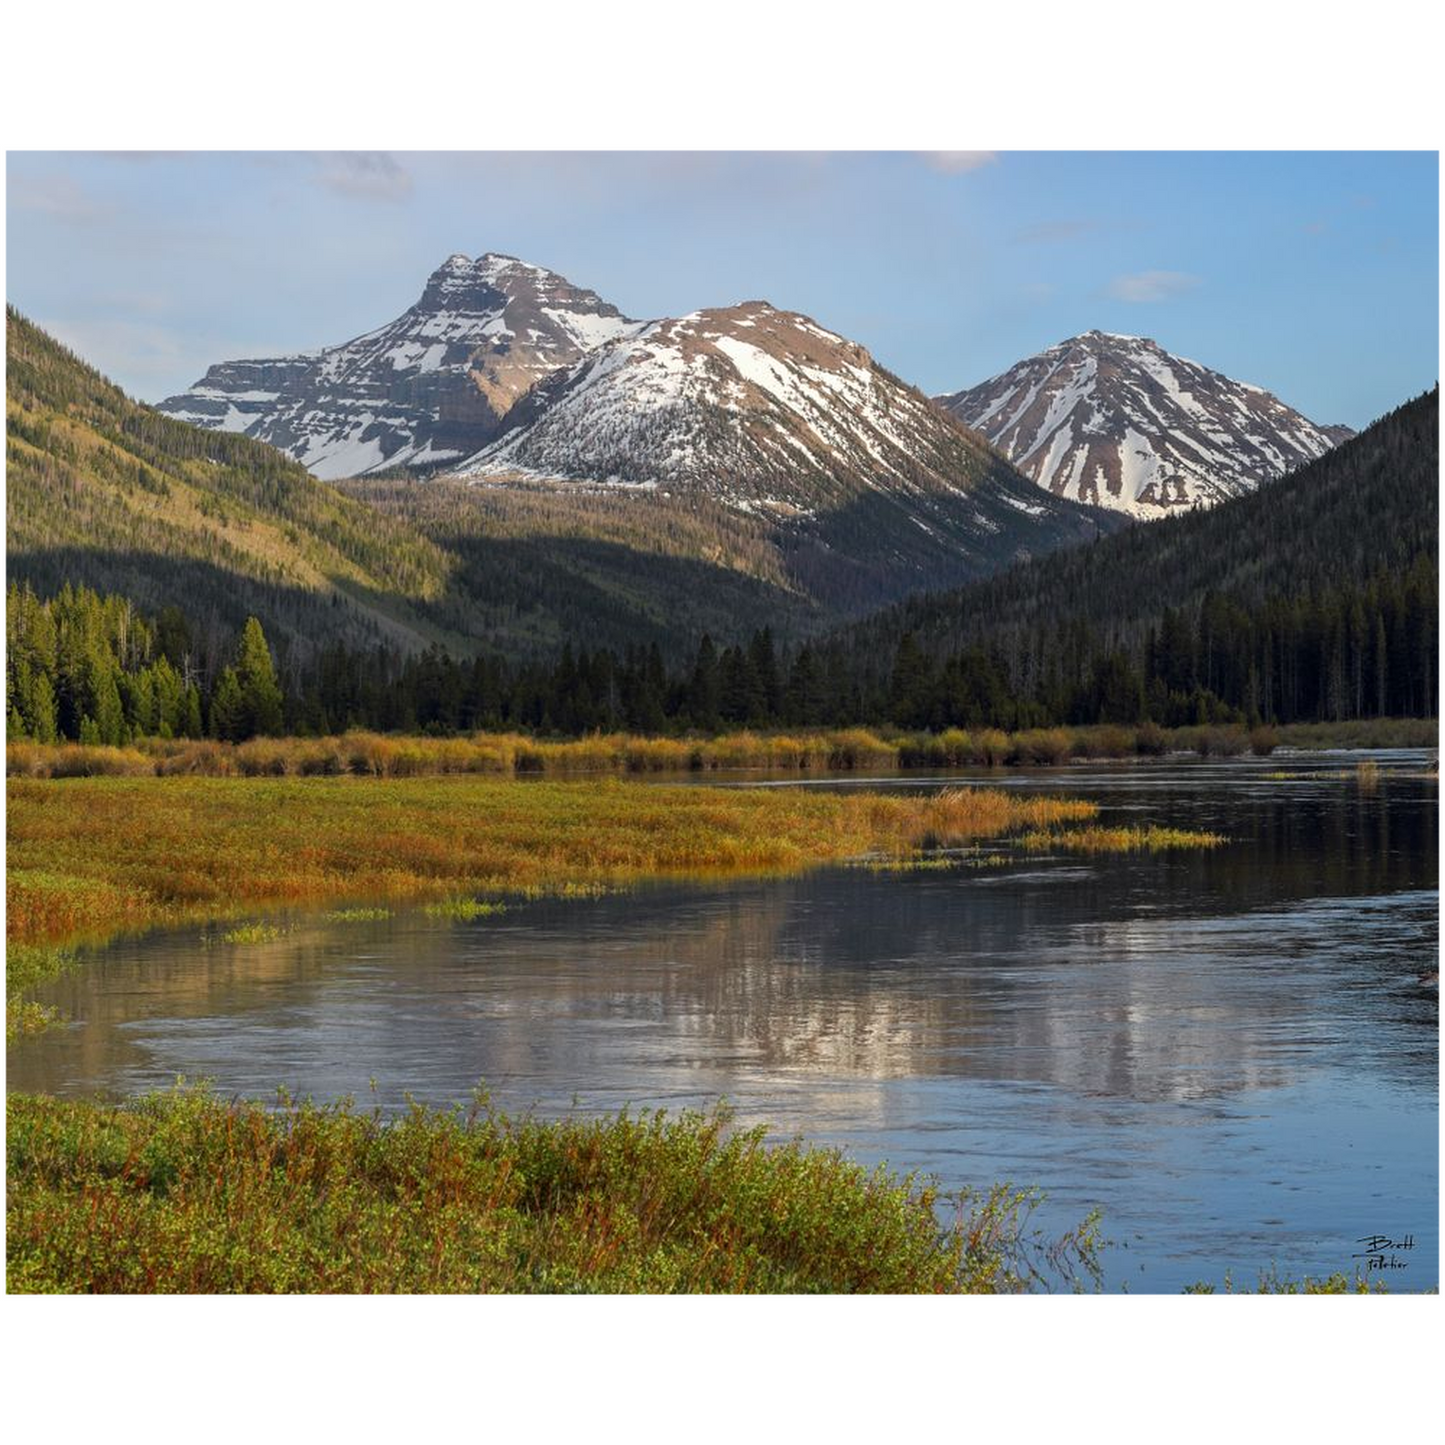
[759, 404]
[872, 489]
[1120, 422]
[428, 388]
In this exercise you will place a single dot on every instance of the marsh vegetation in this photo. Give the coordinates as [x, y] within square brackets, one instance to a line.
[107, 854]
[187, 1193]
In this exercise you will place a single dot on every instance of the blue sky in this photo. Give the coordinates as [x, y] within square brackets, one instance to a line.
[1313, 274]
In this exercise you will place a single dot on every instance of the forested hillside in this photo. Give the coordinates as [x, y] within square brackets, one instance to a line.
[1315, 597]
[109, 493]
[537, 566]
[441, 606]
[112, 495]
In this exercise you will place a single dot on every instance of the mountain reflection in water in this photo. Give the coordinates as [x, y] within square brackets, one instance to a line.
[1209, 1045]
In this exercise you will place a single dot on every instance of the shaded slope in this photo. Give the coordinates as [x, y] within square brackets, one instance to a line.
[1369, 507]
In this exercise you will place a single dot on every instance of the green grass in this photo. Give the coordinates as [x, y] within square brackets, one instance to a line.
[1271, 1282]
[27, 965]
[253, 933]
[923, 863]
[356, 915]
[464, 908]
[186, 1193]
[1150, 839]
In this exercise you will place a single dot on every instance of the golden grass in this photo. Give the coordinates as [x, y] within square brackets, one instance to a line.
[366, 754]
[88, 858]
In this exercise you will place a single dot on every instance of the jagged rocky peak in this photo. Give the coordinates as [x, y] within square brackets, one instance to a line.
[1122, 423]
[529, 295]
[424, 390]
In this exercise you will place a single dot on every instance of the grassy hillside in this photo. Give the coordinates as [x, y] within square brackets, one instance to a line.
[541, 564]
[104, 491]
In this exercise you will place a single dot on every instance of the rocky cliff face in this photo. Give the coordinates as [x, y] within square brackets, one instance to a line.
[1118, 422]
[425, 390]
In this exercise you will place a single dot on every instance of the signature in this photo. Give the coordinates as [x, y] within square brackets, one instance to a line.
[1379, 1251]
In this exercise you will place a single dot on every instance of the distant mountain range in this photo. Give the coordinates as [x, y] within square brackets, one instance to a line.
[1118, 422]
[116, 495]
[508, 375]
[513, 462]
[505, 370]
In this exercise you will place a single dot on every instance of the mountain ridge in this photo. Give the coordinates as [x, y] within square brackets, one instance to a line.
[870, 488]
[423, 390]
[1122, 423]
[1366, 509]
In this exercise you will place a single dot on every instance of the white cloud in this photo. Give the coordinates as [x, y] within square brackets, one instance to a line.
[1152, 285]
[367, 175]
[955, 163]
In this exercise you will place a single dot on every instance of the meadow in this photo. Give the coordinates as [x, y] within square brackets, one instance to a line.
[189, 1192]
[88, 858]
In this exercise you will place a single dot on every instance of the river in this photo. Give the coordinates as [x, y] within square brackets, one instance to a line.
[1229, 1053]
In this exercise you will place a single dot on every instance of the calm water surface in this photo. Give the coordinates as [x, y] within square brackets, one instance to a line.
[1228, 1053]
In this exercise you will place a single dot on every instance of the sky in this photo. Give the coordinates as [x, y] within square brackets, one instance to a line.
[1313, 274]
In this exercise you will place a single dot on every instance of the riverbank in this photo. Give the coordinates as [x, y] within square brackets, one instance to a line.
[186, 1193]
[365, 754]
[953, 924]
[89, 858]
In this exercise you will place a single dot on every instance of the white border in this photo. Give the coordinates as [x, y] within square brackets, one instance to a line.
[747, 75]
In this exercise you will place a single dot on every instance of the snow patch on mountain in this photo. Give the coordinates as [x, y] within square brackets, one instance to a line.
[429, 387]
[1119, 422]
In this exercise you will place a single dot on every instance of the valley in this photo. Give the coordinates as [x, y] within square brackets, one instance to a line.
[594, 715]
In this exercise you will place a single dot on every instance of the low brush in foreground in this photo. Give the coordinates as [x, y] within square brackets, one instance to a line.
[185, 1193]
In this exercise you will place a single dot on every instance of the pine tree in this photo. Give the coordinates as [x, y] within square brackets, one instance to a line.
[229, 720]
[261, 700]
[705, 692]
[191, 724]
